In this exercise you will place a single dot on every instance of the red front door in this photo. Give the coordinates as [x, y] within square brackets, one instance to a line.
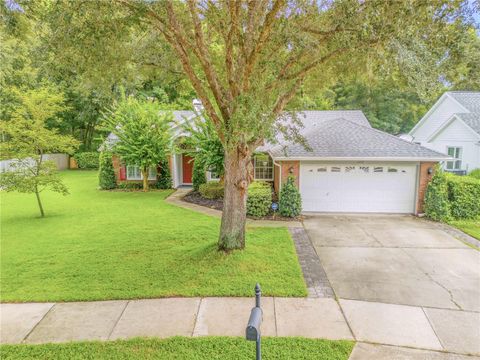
[187, 169]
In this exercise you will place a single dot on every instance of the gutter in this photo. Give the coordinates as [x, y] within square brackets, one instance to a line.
[386, 159]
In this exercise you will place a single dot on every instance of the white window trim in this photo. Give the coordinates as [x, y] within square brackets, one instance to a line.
[255, 169]
[151, 175]
[210, 176]
[456, 159]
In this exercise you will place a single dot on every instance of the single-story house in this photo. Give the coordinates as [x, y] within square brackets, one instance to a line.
[452, 126]
[348, 166]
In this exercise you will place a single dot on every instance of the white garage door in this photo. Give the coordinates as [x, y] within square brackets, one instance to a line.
[383, 188]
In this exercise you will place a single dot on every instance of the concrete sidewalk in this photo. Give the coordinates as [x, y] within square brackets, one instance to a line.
[433, 331]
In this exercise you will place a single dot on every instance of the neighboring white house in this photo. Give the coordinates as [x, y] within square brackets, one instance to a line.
[452, 126]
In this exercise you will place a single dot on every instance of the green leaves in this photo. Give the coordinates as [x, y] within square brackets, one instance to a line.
[28, 139]
[290, 204]
[143, 132]
[202, 143]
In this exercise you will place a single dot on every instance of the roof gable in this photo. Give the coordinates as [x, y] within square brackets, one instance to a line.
[470, 100]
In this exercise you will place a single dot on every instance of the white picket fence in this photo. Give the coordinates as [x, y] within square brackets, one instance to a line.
[60, 159]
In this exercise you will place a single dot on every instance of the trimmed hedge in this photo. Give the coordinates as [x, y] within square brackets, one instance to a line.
[212, 190]
[87, 160]
[259, 199]
[475, 174]
[290, 204]
[436, 205]
[198, 177]
[464, 196]
[450, 196]
[164, 180]
[106, 174]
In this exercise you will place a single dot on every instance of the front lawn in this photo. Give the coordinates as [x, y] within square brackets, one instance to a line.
[470, 227]
[97, 245]
[184, 348]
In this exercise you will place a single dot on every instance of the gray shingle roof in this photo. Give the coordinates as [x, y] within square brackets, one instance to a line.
[472, 120]
[341, 138]
[470, 100]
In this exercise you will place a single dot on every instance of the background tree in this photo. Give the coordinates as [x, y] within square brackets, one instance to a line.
[27, 140]
[247, 59]
[143, 132]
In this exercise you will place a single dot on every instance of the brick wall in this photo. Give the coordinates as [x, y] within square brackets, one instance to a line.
[424, 179]
[290, 168]
[116, 166]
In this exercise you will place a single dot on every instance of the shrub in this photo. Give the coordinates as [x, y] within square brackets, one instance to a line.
[475, 174]
[259, 199]
[106, 174]
[198, 177]
[437, 205]
[212, 190]
[463, 196]
[130, 185]
[164, 180]
[87, 160]
[290, 203]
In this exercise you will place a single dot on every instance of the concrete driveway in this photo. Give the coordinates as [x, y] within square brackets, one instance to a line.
[401, 281]
[396, 259]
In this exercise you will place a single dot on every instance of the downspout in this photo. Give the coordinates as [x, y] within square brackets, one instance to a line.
[279, 174]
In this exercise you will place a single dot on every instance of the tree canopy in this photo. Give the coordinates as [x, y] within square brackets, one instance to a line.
[246, 60]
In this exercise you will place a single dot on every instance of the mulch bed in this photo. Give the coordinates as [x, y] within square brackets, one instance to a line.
[194, 197]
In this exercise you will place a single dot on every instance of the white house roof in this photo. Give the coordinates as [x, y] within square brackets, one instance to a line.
[341, 138]
[470, 100]
[471, 119]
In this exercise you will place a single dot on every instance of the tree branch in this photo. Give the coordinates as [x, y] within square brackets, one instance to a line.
[203, 55]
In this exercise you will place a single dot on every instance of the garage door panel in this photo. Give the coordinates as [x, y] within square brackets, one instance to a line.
[357, 188]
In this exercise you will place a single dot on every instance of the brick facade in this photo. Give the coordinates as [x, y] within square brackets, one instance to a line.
[423, 180]
[290, 168]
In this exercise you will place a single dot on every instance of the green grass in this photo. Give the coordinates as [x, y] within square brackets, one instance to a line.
[470, 227]
[96, 245]
[184, 348]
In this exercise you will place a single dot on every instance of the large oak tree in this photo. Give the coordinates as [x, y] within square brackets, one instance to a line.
[247, 59]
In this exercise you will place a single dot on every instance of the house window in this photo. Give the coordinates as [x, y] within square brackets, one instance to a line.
[213, 176]
[456, 153]
[263, 167]
[134, 173]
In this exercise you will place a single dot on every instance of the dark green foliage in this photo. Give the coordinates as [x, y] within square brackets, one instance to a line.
[87, 160]
[452, 197]
[464, 196]
[290, 204]
[259, 198]
[198, 177]
[212, 190]
[164, 180]
[106, 174]
[475, 174]
[437, 206]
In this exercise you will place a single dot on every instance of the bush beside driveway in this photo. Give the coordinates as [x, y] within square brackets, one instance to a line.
[97, 245]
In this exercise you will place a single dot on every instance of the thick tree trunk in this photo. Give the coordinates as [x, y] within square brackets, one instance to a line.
[145, 179]
[42, 213]
[237, 178]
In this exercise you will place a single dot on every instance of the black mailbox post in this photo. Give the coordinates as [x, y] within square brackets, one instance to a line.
[252, 332]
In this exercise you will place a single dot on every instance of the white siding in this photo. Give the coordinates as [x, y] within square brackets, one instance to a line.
[459, 134]
[443, 111]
